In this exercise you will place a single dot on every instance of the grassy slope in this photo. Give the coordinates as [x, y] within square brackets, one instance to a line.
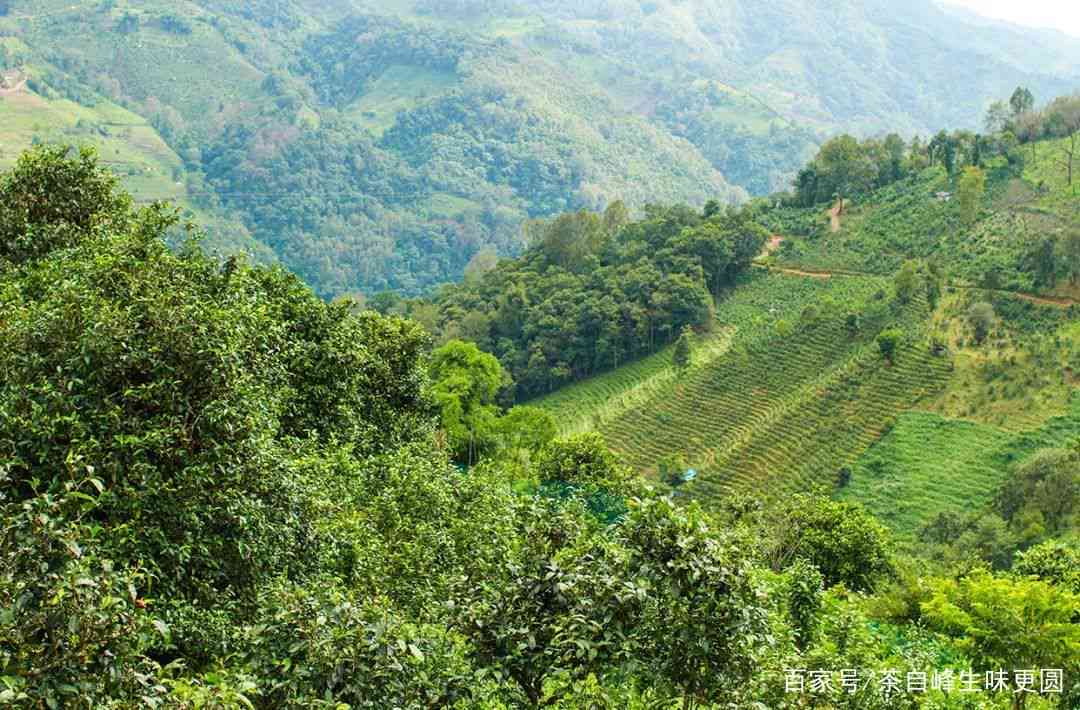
[1021, 377]
[598, 400]
[1002, 399]
[928, 464]
[769, 415]
[905, 220]
[398, 89]
[198, 74]
[172, 69]
[127, 143]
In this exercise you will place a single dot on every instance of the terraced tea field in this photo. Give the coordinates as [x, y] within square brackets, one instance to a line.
[803, 440]
[599, 399]
[779, 400]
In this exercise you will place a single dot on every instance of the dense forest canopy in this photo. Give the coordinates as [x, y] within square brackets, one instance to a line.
[594, 291]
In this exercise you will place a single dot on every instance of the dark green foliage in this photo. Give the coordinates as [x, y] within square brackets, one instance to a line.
[843, 168]
[847, 544]
[588, 296]
[851, 324]
[703, 628]
[1022, 101]
[843, 477]
[328, 643]
[583, 467]
[888, 341]
[907, 281]
[1042, 497]
[49, 202]
[341, 67]
[320, 200]
[1052, 561]
[582, 460]
[409, 526]
[981, 317]
[672, 469]
[805, 586]
[564, 606]
[191, 397]
[72, 624]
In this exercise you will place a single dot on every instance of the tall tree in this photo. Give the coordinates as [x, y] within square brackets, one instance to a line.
[569, 238]
[1070, 251]
[1005, 623]
[844, 169]
[1021, 102]
[1063, 121]
[465, 382]
[981, 316]
[616, 216]
[1044, 261]
[906, 281]
[562, 608]
[704, 627]
[714, 249]
[997, 117]
[842, 540]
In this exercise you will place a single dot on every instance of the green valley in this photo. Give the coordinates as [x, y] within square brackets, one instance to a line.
[373, 146]
[523, 354]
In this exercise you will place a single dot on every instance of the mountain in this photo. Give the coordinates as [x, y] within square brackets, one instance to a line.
[383, 145]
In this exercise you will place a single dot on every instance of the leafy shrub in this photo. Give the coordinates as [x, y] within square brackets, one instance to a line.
[326, 643]
[842, 540]
[195, 398]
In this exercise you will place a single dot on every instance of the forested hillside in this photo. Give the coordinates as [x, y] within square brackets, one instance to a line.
[908, 341]
[382, 145]
[219, 491]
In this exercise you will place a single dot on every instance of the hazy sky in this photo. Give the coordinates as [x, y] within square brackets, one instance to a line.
[1062, 15]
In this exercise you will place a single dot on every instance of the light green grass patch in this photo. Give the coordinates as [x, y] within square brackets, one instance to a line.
[445, 205]
[400, 88]
[927, 465]
[125, 142]
[514, 26]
